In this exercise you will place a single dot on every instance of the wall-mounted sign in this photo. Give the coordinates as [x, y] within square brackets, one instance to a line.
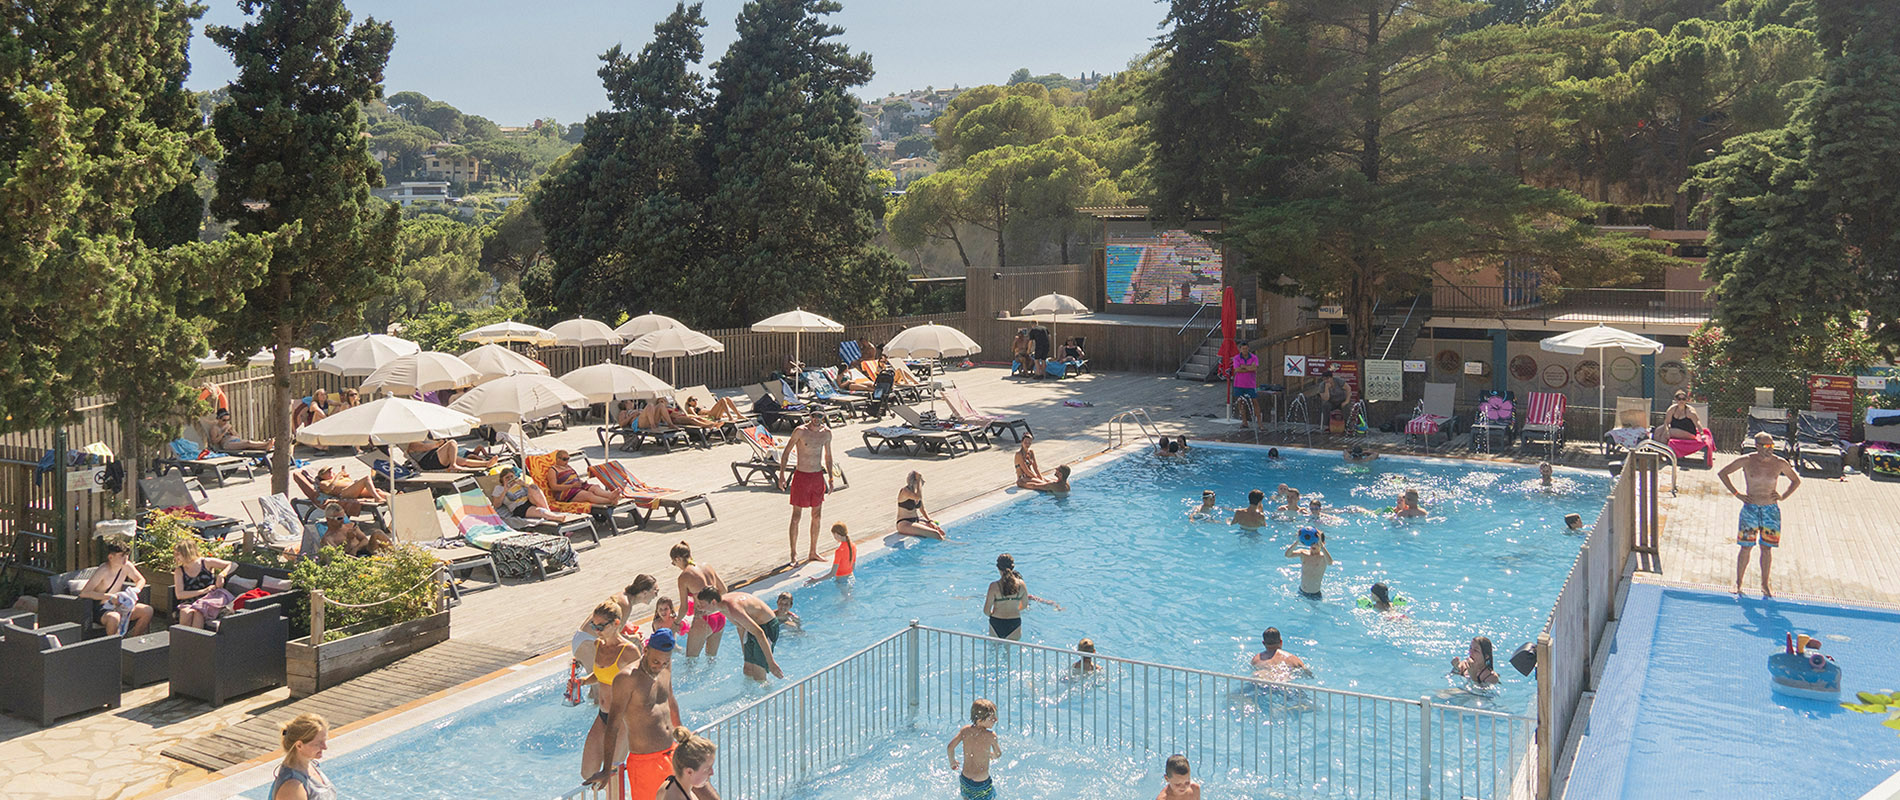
[1832, 393]
[1449, 361]
[1871, 383]
[1295, 367]
[1623, 369]
[1588, 374]
[1385, 380]
[1477, 368]
[1672, 373]
[1415, 365]
[1556, 376]
[1524, 368]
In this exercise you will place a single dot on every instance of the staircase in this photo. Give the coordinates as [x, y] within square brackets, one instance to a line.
[1397, 332]
[1201, 365]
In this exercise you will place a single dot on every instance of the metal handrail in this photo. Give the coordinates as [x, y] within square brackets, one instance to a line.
[1139, 417]
[1400, 329]
[1192, 317]
[1296, 408]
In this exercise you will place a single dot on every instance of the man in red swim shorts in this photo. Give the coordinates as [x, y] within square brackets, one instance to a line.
[810, 478]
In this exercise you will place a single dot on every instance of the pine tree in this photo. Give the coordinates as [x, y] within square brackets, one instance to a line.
[1854, 152]
[793, 205]
[1203, 109]
[296, 159]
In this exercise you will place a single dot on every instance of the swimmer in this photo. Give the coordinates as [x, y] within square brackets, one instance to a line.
[1316, 510]
[1573, 523]
[1087, 664]
[1166, 447]
[1476, 665]
[1254, 515]
[1408, 505]
[1381, 597]
[1292, 496]
[1314, 559]
[1358, 455]
[1273, 454]
[1180, 783]
[787, 618]
[1543, 474]
[1275, 660]
[1206, 509]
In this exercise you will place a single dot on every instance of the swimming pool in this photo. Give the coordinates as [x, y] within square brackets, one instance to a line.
[1684, 708]
[1142, 580]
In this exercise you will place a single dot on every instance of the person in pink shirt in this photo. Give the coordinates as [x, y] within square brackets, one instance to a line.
[1246, 383]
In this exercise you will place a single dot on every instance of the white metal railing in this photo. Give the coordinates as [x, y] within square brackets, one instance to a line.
[1118, 425]
[1317, 741]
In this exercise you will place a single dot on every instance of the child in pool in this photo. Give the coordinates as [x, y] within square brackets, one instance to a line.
[1476, 666]
[980, 747]
[1543, 475]
[787, 618]
[1206, 509]
[1408, 505]
[1573, 523]
[1087, 664]
[665, 616]
[1181, 784]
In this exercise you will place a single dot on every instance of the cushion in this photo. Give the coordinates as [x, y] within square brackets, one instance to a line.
[75, 586]
[275, 584]
[239, 585]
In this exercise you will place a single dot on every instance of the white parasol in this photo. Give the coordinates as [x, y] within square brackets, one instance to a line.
[518, 397]
[1600, 338]
[583, 332]
[1053, 304]
[605, 383]
[644, 324]
[421, 372]
[673, 343]
[356, 356]
[931, 340]
[510, 331]
[798, 322]
[495, 361]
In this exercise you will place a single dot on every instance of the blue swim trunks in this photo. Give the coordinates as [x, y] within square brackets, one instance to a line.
[1759, 525]
[977, 790]
[1248, 392]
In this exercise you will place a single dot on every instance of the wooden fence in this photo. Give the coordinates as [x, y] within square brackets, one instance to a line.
[984, 293]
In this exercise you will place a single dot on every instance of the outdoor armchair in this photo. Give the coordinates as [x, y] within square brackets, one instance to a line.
[245, 654]
[45, 681]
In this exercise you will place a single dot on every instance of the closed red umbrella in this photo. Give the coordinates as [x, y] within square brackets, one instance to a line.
[1228, 349]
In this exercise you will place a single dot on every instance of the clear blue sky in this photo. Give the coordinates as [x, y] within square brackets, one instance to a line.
[515, 61]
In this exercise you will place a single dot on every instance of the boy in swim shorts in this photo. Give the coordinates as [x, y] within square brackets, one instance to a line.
[1760, 521]
[979, 748]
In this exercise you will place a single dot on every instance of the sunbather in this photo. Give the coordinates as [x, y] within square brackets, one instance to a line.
[227, 439]
[312, 408]
[438, 454]
[662, 414]
[1681, 420]
[519, 497]
[722, 410]
[340, 532]
[336, 482]
[627, 414]
[569, 487]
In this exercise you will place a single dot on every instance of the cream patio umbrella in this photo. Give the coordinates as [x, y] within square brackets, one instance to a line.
[798, 322]
[421, 372]
[494, 361]
[673, 343]
[583, 332]
[516, 398]
[510, 331]
[265, 357]
[931, 340]
[356, 356]
[389, 421]
[1053, 304]
[1600, 338]
[605, 383]
[644, 324]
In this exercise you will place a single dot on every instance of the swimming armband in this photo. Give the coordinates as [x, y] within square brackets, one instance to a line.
[1366, 602]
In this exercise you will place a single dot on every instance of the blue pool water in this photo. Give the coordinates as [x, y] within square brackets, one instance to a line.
[1141, 579]
[1685, 710]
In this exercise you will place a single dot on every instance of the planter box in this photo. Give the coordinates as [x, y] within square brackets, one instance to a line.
[313, 668]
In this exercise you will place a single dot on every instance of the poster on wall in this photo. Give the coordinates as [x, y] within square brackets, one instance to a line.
[1476, 369]
[1587, 374]
[1293, 367]
[1624, 369]
[1524, 368]
[1385, 380]
[1346, 369]
[1832, 394]
[1556, 376]
[1414, 365]
[1161, 267]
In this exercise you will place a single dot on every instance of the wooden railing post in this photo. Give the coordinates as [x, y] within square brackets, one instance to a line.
[316, 617]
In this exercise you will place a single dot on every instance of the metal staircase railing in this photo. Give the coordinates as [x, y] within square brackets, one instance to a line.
[1118, 426]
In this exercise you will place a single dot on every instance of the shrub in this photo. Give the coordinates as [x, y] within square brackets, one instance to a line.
[161, 533]
[400, 575]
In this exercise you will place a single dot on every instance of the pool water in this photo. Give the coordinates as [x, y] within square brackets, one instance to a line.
[1134, 573]
[1684, 709]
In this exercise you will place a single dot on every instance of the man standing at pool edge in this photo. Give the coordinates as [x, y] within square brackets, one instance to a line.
[1761, 510]
[643, 716]
[1246, 383]
[808, 482]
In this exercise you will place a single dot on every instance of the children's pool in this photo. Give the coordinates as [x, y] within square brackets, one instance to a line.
[1134, 573]
[1684, 709]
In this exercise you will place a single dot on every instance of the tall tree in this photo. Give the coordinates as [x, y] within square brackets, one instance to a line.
[296, 158]
[1204, 108]
[793, 202]
[105, 281]
[1854, 152]
[623, 214]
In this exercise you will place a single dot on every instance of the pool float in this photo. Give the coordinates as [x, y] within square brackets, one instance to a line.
[1366, 602]
[1803, 671]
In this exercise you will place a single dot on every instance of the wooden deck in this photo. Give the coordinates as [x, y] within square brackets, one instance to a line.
[442, 667]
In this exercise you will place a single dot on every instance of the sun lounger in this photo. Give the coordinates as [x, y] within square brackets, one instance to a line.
[962, 410]
[1704, 441]
[677, 503]
[1882, 446]
[1544, 420]
[172, 493]
[633, 438]
[766, 450]
[1772, 421]
[516, 554]
[417, 523]
[1433, 414]
[809, 405]
[583, 526]
[1817, 440]
[1485, 426]
[190, 457]
[978, 434]
[825, 391]
[917, 442]
[311, 504]
[539, 468]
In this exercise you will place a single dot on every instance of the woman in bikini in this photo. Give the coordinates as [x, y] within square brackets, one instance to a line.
[692, 768]
[434, 454]
[1476, 666]
[1027, 472]
[518, 497]
[1008, 597]
[1681, 420]
[611, 655]
[227, 437]
[912, 519]
[198, 584]
[701, 632]
[570, 487]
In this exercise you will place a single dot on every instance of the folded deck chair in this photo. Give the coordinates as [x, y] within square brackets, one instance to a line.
[1704, 441]
[417, 523]
[849, 352]
[962, 410]
[1544, 419]
[583, 527]
[1817, 440]
[975, 433]
[1772, 421]
[677, 503]
[764, 463]
[170, 493]
[190, 457]
[516, 554]
[1433, 414]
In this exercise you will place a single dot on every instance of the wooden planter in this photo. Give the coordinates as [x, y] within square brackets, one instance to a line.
[315, 667]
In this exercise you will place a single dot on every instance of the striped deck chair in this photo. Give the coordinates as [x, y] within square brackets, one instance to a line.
[614, 476]
[766, 450]
[539, 467]
[417, 523]
[1544, 419]
[516, 554]
[849, 352]
[1434, 413]
[963, 411]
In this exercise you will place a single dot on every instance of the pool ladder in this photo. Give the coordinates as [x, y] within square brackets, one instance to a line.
[1118, 426]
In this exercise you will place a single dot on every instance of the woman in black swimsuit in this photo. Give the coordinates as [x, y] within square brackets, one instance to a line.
[1008, 598]
[692, 768]
[1682, 419]
[912, 519]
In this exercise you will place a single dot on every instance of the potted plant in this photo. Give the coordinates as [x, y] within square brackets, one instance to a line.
[385, 607]
[152, 552]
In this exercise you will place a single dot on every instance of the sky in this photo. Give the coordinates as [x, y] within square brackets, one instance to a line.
[514, 62]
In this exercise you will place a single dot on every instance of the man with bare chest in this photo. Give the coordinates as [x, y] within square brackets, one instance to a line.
[643, 717]
[1761, 471]
[810, 478]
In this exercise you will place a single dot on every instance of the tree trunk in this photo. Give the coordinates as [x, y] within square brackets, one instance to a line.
[1002, 223]
[958, 241]
[280, 380]
[1359, 317]
[1684, 146]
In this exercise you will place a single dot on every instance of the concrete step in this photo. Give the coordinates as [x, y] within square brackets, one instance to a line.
[1185, 375]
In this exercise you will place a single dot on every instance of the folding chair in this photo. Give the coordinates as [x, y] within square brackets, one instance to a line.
[513, 552]
[678, 503]
[1433, 414]
[1772, 421]
[1817, 440]
[1703, 442]
[172, 493]
[190, 457]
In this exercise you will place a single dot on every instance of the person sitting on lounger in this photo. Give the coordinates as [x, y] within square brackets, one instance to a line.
[1072, 354]
[340, 532]
[626, 414]
[336, 482]
[570, 487]
[224, 437]
[312, 408]
[440, 454]
[519, 497]
[1681, 420]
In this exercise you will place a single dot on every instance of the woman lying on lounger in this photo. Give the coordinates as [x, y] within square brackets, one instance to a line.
[570, 487]
[722, 410]
[518, 497]
[439, 454]
[661, 414]
[336, 482]
[227, 439]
